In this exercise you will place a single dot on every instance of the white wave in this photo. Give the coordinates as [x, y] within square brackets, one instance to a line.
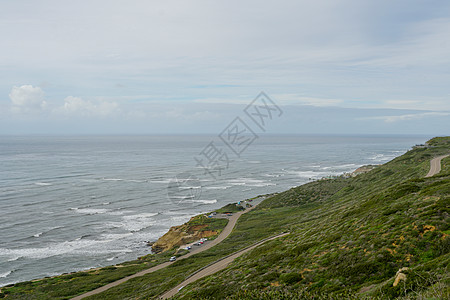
[115, 236]
[75, 247]
[218, 187]
[143, 215]
[340, 167]
[250, 182]
[175, 213]
[111, 258]
[237, 183]
[273, 175]
[346, 166]
[42, 183]
[311, 174]
[382, 157]
[202, 201]
[134, 223]
[160, 181]
[112, 179]
[189, 187]
[4, 275]
[137, 181]
[47, 230]
[14, 258]
[183, 197]
[262, 184]
[117, 213]
[90, 211]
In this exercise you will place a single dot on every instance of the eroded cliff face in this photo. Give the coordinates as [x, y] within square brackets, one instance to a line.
[181, 235]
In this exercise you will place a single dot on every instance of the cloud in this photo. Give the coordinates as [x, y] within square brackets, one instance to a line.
[280, 99]
[407, 117]
[293, 99]
[27, 99]
[79, 106]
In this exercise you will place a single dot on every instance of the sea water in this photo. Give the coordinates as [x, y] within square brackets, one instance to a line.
[73, 203]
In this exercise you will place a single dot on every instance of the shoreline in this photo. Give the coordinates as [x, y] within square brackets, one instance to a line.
[254, 227]
[152, 242]
[149, 246]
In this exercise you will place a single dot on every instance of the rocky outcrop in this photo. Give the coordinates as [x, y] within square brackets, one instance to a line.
[181, 235]
[400, 276]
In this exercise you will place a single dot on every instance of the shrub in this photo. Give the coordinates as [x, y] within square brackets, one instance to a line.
[290, 278]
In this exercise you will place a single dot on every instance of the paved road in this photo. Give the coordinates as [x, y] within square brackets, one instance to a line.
[223, 235]
[214, 268]
[435, 165]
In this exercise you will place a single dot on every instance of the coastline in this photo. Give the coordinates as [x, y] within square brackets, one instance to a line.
[95, 269]
[105, 218]
[150, 243]
[279, 209]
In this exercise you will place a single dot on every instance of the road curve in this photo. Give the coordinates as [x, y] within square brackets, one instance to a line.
[223, 235]
[215, 267]
[435, 165]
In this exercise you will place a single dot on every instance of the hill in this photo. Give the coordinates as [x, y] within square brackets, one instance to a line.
[349, 238]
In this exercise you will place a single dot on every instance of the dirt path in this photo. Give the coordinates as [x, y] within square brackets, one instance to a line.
[435, 165]
[216, 267]
[223, 235]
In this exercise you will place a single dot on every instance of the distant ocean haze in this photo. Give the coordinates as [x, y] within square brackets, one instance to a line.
[73, 203]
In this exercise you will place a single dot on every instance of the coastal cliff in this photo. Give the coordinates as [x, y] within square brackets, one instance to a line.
[196, 228]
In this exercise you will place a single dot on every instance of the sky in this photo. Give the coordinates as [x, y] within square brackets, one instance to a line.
[162, 67]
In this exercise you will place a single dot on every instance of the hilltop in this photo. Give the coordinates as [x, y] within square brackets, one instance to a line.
[381, 234]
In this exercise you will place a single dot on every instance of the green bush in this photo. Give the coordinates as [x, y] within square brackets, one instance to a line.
[290, 278]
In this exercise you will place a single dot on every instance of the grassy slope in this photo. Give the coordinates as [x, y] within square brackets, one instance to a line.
[69, 285]
[346, 234]
[361, 232]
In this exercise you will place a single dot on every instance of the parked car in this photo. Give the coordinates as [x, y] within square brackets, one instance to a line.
[173, 258]
[197, 244]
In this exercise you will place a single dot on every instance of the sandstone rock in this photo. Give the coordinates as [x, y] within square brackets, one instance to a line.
[181, 235]
[400, 276]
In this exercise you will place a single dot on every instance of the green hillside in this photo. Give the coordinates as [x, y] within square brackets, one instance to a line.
[348, 238]
[359, 234]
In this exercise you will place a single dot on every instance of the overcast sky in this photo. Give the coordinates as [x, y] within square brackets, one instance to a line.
[136, 67]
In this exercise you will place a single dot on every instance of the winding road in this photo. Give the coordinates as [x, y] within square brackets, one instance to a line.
[223, 235]
[435, 168]
[435, 165]
[215, 267]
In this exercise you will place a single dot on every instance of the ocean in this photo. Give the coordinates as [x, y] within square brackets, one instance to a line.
[78, 202]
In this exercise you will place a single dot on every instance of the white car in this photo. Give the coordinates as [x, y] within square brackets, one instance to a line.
[173, 258]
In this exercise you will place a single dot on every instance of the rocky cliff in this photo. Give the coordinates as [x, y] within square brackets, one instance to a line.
[187, 233]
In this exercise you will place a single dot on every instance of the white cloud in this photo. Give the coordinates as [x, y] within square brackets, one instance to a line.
[407, 117]
[280, 99]
[79, 106]
[27, 99]
[293, 99]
